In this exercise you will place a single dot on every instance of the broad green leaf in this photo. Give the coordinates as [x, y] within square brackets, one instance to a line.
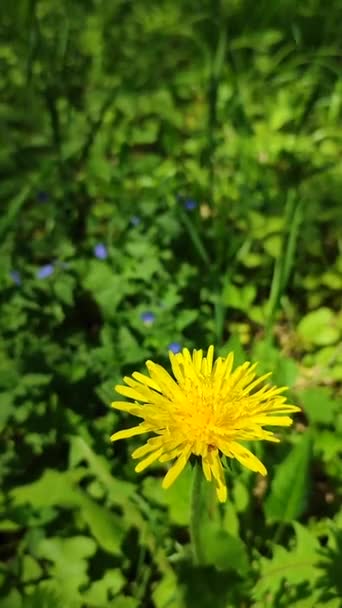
[328, 444]
[31, 569]
[69, 558]
[107, 287]
[46, 595]
[110, 584]
[64, 288]
[293, 566]
[240, 496]
[289, 488]
[54, 488]
[231, 520]
[314, 600]
[167, 593]
[205, 586]
[119, 491]
[12, 600]
[131, 350]
[284, 370]
[176, 498]
[240, 298]
[319, 406]
[319, 327]
[222, 550]
[107, 528]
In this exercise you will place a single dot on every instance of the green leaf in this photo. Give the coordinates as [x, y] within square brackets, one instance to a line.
[107, 288]
[69, 558]
[176, 498]
[205, 586]
[119, 491]
[63, 288]
[240, 298]
[107, 528]
[318, 405]
[319, 327]
[6, 408]
[54, 488]
[110, 584]
[292, 567]
[231, 520]
[222, 550]
[45, 596]
[31, 569]
[13, 600]
[167, 594]
[328, 445]
[131, 350]
[289, 488]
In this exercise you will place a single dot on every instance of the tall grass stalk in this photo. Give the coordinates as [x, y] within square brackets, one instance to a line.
[285, 261]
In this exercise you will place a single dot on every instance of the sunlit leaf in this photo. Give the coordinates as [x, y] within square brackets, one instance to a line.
[290, 487]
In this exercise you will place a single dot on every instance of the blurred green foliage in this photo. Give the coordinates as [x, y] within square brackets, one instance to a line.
[170, 174]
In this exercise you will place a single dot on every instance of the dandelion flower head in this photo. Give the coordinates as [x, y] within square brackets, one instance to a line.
[206, 410]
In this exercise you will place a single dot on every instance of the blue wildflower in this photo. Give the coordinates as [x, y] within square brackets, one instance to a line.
[175, 347]
[100, 251]
[45, 271]
[190, 204]
[147, 317]
[135, 220]
[15, 276]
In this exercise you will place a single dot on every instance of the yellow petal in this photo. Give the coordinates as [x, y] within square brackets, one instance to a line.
[132, 393]
[249, 460]
[125, 433]
[171, 454]
[152, 444]
[197, 356]
[251, 386]
[176, 469]
[132, 408]
[228, 364]
[218, 474]
[176, 368]
[286, 409]
[221, 493]
[163, 378]
[146, 380]
[273, 420]
[147, 461]
[206, 468]
[209, 359]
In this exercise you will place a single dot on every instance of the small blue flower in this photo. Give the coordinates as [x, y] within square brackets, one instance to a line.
[42, 196]
[175, 347]
[147, 317]
[135, 220]
[190, 204]
[100, 251]
[15, 276]
[45, 271]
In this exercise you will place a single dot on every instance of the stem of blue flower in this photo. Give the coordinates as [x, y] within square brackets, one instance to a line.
[195, 515]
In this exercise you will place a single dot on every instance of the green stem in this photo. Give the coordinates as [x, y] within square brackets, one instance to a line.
[195, 515]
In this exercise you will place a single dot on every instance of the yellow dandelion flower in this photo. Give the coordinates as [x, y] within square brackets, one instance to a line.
[205, 410]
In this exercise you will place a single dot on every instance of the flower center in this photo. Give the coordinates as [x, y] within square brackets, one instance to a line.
[196, 418]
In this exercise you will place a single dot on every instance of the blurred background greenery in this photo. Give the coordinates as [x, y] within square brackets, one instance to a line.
[170, 176]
